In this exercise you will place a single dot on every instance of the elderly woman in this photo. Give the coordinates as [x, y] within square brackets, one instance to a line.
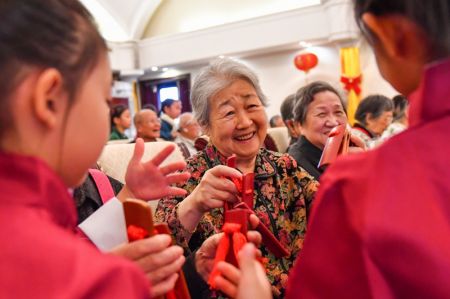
[229, 105]
[373, 115]
[318, 109]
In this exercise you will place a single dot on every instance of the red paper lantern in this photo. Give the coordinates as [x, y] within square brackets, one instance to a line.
[306, 61]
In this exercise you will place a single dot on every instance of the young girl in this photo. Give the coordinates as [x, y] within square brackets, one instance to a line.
[370, 236]
[53, 72]
[120, 121]
[170, 110]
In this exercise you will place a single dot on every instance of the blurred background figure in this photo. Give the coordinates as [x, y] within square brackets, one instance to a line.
[188, 131]
[170, 110]
[373, 115]
[120, 121]
[147, 125]
[276, 121]
[400, 122]
[151, 107]
[287, 114]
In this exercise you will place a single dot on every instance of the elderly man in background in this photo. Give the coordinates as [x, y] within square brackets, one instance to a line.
[188, 131]
[276, 121]
[147, 125]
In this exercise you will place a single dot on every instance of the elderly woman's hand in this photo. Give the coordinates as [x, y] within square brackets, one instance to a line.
[213, 190]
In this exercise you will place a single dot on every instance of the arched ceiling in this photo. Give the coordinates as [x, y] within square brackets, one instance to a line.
[120, 20]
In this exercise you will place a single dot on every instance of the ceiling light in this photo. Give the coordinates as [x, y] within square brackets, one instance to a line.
[154, 68]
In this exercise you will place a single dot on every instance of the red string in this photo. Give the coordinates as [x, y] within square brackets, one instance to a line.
[231, 234]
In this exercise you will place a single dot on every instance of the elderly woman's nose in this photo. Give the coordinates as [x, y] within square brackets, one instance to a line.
[332, 121]
[243, 119]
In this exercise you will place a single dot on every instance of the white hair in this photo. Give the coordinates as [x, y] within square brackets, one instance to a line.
[219, 74]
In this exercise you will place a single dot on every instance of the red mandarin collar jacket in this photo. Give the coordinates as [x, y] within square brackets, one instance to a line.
[380, 227]
[40, 255]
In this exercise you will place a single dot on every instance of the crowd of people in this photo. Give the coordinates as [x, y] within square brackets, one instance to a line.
[374, 224]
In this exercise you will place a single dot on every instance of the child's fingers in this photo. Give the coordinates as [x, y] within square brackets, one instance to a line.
[142, 248]
[229, 272]
[226, 287]
[138, 151]
[172, 167]
[177, 177]
[175, 191]
[163, 154]
[164, 286]
[247, 260]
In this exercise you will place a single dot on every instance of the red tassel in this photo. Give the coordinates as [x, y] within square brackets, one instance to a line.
[221, 253]
[136, 233]
[239, 241]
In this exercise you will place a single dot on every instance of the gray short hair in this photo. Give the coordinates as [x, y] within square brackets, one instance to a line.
[374, 105]
[305, 95]
[219, 74]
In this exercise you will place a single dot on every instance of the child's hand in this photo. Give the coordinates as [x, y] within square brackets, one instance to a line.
[252, 274]
[147, 181]
[249, 281]
[204, 257]
[157, 258]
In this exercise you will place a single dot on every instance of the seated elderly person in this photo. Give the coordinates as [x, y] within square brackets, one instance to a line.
[276, 121]
[147, 125]
[373, 115]
[317, 110]
[188, 131]
[229, 105]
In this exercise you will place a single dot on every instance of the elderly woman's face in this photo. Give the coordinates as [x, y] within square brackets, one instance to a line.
[323, 114]
[379, 124]
[237, 121]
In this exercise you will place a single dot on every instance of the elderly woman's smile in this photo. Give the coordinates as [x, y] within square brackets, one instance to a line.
[245, 137]
[238, 122]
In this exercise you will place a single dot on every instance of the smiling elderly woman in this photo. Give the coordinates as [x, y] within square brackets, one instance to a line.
[229, 105]
[318, 109]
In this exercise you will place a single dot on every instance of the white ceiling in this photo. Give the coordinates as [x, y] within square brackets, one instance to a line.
[121, 21]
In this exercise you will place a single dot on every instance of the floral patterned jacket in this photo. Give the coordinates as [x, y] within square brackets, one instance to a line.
[281, 190]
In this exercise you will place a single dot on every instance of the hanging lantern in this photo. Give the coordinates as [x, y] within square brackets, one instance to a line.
[305, 61]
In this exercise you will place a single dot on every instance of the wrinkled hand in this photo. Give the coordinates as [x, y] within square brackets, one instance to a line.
[214, 189]
[157, 259]
[146, 180]
[204, 257]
